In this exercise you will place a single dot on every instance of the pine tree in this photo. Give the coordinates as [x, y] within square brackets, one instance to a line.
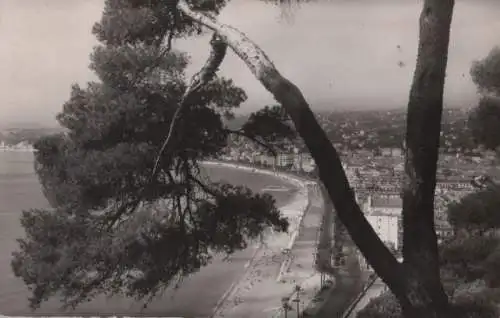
[131, 212]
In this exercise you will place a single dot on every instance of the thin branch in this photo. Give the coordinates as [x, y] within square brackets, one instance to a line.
[125, 208]
[190, 198]
[254, 139]
[203, 186]
[206, 74]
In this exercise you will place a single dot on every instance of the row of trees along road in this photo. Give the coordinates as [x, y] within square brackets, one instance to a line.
[131, 213]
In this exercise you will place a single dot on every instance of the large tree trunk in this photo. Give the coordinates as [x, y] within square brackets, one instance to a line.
[423, 127]
[415, 298]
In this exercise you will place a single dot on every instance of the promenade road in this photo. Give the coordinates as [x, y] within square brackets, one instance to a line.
[259, 294]
[374, 291]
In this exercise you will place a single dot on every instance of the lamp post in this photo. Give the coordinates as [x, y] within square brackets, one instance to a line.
[285, 305]
[298, 290]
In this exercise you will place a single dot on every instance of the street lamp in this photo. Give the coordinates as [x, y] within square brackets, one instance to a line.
[284, 304]
[298, 290]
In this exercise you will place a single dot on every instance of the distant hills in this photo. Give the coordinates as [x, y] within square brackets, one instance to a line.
[26, 133]
[26, 125]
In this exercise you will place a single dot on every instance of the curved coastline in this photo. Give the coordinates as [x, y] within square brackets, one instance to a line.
[297, 206]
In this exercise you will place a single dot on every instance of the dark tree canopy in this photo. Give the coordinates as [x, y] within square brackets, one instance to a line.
[486, 73]
[484, 120]
[115, 226]
[473, 253]
[476, 212]
[148, 21]
[469, 267]
[479, 306]
[384, 306]
[469, 258]
[273, 124]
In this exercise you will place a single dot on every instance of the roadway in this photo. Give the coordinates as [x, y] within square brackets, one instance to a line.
[374, 291]
[348, 279]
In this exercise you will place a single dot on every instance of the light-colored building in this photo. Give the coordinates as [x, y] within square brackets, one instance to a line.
[397, 152]
[264, 159]
[384, 203]
[383, 212]
[386, 151]
[386, 227]
[457, 184]
[306, 162]
[285, 159]
[391, 152]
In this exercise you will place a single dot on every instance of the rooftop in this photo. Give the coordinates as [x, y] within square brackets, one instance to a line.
[386, 202]
[383, 213]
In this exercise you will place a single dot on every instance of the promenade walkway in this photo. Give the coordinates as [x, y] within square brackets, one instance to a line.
[301, 271]
[274, 275]
[260, 292]
[331, 302]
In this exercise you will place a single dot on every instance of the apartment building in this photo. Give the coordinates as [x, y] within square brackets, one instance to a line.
[285, 159]
[383, 212]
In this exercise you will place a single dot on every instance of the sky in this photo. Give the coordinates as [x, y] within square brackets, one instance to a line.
[341, 54]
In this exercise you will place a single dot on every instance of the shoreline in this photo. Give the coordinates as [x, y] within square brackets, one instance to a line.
[294, 210]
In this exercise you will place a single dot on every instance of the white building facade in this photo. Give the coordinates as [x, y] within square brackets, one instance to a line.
[386, 227]
[383, 212]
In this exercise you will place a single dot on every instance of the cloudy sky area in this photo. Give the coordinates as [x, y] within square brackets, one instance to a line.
[340, 53]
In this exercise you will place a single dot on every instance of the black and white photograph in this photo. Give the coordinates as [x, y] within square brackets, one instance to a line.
[250, 158]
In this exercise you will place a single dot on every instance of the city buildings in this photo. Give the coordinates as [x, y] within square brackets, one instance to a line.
[21, 146]
[287, 159]
[377, 175]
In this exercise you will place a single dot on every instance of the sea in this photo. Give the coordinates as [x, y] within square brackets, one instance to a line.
[20, 190]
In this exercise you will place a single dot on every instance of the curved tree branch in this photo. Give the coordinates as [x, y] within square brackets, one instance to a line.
[206, 74]
[261, 143]
[330, 167]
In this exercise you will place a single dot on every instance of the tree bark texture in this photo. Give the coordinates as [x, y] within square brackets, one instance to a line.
[423, 128]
